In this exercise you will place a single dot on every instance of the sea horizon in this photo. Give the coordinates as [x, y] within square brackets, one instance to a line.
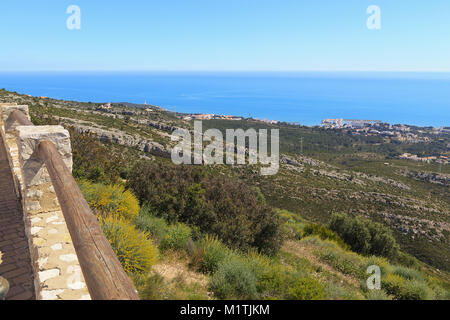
[402, 97]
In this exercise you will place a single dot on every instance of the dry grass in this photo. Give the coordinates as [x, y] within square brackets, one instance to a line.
[174, 266]
[304, 250]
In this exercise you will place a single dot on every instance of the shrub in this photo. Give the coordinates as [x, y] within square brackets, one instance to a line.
[305, 289]
[154, 288]
[209, 253]
[271, 276]
[156, 227]
[345, 262]
[324, 233]
[406, 260]
[233, 280]
[382, 263]
[216, 205]
[94, 161]
[109, 200]
[408, 273]
[292, 228]
[134, 250]
[377, 295]
[336, 290]
[382, 242]
[364, 236]
[403, 289]
[342, 260]
[176, 237]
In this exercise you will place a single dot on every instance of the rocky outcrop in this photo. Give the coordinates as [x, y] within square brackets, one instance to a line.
[442, 179]
[116, 136]
[416, 227]
[291, 164]
[119, 137]
[161, 126]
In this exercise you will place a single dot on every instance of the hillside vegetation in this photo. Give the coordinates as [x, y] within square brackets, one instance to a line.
[339, 204]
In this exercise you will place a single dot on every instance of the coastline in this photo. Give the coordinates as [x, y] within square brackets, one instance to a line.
[420, 99]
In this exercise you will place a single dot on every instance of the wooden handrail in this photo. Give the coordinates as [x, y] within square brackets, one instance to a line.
[104, 275]
[20, 117]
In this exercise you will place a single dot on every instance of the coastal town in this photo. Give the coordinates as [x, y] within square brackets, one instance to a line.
[397, 132]
[357, 127]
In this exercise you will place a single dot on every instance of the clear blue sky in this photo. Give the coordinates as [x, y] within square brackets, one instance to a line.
[256, 35]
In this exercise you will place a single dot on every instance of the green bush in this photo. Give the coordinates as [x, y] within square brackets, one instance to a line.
[406, 260]
[337, 290]
[134, 250]
[110, 200]
[364, 236]
[233, 280]
[94, 161]
[218, 205]
[342, 260]
[324, 233]
[153, 288]
[345, 262]
[156, 227]
[209, 253]
[404, 289]
[377, 295]
[382, 263]
[292, 225]
[177, 236]
[408, 273]
[305, 289]
[271, 276]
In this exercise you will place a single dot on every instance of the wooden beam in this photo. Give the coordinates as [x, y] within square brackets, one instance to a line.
[104, 275]
[20, 117]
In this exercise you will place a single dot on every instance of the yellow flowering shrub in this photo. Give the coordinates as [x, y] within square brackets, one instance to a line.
[136, 252]
[109, 200]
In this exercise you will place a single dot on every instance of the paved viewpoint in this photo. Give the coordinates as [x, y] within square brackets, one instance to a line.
[16, 266]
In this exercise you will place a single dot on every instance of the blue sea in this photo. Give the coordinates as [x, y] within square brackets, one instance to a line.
[306, 98]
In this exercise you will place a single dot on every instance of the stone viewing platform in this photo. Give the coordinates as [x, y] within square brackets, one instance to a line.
[52, 245]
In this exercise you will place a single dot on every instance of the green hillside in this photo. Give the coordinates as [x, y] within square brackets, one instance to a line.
[224, 232]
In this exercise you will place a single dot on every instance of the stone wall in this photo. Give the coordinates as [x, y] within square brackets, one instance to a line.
[57, 271]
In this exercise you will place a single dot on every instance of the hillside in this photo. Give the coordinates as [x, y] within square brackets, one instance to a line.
[322, 171]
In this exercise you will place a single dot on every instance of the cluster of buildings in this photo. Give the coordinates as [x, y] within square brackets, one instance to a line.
[440, 159]
[393, 132]
[349, 123]
[398, 132]
[209, 117]
[212, 116]
[444, 129]
[267, 121]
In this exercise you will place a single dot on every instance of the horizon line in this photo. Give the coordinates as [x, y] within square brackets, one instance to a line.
[235, 71]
